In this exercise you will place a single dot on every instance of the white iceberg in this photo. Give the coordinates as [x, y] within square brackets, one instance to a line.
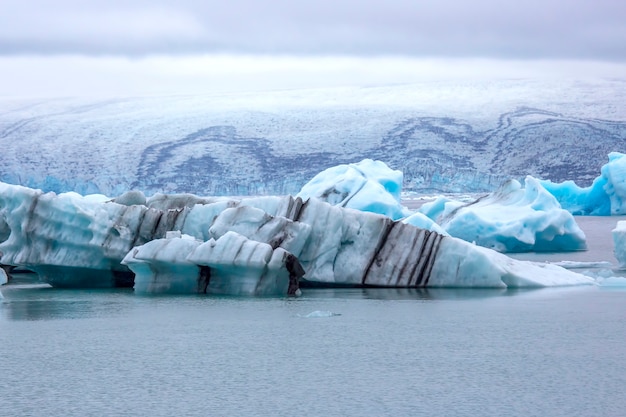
[619, 242]
[367, 186]
[424, 222]
[319, 314]
[512, 219]
[604, 197]
[241, 266]
[230, 265]
[612, 282]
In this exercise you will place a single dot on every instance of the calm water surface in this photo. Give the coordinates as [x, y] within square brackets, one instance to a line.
[550, 352]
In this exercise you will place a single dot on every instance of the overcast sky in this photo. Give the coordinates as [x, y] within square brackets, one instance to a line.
[127, 37]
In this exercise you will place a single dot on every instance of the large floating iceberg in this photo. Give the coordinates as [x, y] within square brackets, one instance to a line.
[604, 197]
[259, 245]
[512, 219]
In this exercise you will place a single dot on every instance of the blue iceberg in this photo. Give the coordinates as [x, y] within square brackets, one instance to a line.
[511, 219]
[604, 197]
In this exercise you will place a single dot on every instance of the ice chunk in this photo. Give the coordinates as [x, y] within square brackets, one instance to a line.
[230, 265]
[367, 186]
[424, 222]
[131, 198]
[342, 242]
[3, 277]
[619, 242]
[70, 240]
[612, 282]
[512, 219]
[462, 264]
[606, 196]
[240, 266]
[256, 224]
[319, 314]
[583, 265]
[160, 266]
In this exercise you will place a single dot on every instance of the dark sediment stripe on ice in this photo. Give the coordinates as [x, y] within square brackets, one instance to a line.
[298, 210]
[295, 273]
[295, 206]
[376, 259]
[426, 257]
[204, 278]
[433, 256]
[405, 258]
[137, 234]
[415, 277]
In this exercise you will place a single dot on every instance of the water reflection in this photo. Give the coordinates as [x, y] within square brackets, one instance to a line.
[412, 293]
[32, 301]
[42, 302]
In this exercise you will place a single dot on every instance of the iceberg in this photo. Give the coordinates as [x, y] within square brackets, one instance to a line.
[511, 219]
[229, 265]
[367, 186]
[604, 197]
[71, 240]
[612, 282]
[251, 246]
[424, 222]
[319, 314]
[619, 242]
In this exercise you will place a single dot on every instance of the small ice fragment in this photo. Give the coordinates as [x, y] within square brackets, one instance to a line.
[319, 314]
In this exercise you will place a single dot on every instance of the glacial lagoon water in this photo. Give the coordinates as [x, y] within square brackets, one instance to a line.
[436, 352]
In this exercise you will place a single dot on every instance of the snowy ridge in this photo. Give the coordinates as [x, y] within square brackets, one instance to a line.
[443, 137]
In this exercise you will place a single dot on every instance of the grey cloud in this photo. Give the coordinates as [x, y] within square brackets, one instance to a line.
[487, 28]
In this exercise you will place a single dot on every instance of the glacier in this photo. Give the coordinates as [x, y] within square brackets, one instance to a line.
[249, 246]
[604, 197]
[446, 137]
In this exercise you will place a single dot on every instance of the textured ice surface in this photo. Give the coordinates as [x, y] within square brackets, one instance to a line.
[606, 196]
[319, 314]
[512, 219]
[457, 136]
[160, 266]
[367, 186]
[243, 243]
[230, 265]
[423, 222]
[612, 282]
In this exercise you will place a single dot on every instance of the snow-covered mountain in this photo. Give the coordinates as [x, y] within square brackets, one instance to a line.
[444, 136]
